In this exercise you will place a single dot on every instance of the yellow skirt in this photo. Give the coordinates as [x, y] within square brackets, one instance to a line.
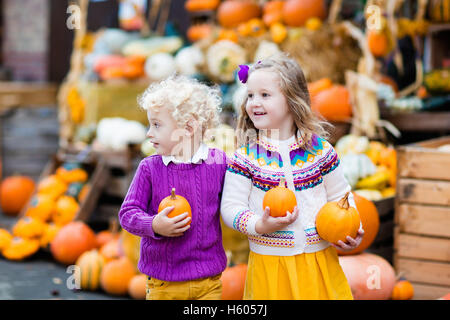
[307, 276]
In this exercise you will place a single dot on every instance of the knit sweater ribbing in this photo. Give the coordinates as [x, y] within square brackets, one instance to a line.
[199, 252]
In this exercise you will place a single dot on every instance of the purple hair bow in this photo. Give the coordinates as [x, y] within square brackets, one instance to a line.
[243, 73]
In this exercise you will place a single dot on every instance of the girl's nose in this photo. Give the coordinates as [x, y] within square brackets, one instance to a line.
[149, 134]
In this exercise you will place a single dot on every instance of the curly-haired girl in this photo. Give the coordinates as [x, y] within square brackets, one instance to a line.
[182, 261]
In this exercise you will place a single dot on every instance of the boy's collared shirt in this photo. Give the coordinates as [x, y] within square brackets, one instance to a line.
[201, 154]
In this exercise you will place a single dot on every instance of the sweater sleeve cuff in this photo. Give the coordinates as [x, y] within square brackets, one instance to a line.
[148, 225]
[245, 222]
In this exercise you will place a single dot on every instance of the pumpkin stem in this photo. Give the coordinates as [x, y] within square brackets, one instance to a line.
[343, 203]
[173, 196]
[113, 225]
[282, 182]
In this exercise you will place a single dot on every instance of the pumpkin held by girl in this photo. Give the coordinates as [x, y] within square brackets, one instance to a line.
[337, 220]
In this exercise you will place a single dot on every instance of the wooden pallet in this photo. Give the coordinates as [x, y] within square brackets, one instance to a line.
[422, 218]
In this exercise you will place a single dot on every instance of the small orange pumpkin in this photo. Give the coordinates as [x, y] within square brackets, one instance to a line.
[15, 191]
[257, 27]
[71, 172]
[180, 204]
[378, 43]
[233, 282]
[20, 248]
[403, 290]
[71, 241]
[279, 199]
[278, 32]
[52, 185]
[200, 5]
[228, 34]
[199, 31]
[337, 220]
[42, 206]
[111, 250]
[50, 231]
[28, 227]
[116, 275]
[137, 288]
[5, 238]
[66, 210]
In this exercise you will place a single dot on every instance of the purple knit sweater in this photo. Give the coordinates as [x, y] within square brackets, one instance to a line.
[199, 252]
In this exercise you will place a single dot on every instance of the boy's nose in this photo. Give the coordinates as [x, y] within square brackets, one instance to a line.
[149, 134]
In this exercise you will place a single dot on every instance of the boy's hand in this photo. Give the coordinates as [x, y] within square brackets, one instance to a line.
[170, 227]
[351, 243]
[269, 224]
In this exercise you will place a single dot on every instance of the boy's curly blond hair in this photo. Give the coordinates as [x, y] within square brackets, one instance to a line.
[186, 99]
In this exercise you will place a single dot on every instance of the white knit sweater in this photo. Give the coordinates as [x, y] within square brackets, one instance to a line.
[315, 177]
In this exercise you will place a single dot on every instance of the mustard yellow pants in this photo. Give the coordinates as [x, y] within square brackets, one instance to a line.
[200, 289]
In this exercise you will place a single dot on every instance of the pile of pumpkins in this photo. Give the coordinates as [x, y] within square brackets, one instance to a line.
[47, 207]
[101, 259]
[370, 167]
[247, 18]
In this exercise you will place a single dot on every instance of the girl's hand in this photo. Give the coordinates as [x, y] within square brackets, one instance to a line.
[170, 227]
[269, 224]
[351, 244]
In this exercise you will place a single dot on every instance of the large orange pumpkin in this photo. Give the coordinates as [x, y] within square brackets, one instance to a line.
[370, 221]
[233, 282]
[337, 220]
[233, 12]
[273, 12]
[180, 204]
[297, 12]
[279, 199]
[319, 85]
[71, 241]
[333, 103]
[116, 276]
[137, 288]
[370, 276]
[15, 191]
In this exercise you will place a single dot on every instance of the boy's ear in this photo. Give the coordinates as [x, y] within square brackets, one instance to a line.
[191, 127]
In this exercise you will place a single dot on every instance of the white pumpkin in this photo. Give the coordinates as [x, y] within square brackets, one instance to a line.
[188, 60]
[265, 50]
[352, 144]
[223, 59]
[357, 166]
[160, 66]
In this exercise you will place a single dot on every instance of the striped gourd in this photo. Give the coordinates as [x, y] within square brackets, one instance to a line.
[90, 264]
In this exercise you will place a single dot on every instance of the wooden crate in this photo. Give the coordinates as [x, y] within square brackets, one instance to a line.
[422, 217]
[98, 177]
